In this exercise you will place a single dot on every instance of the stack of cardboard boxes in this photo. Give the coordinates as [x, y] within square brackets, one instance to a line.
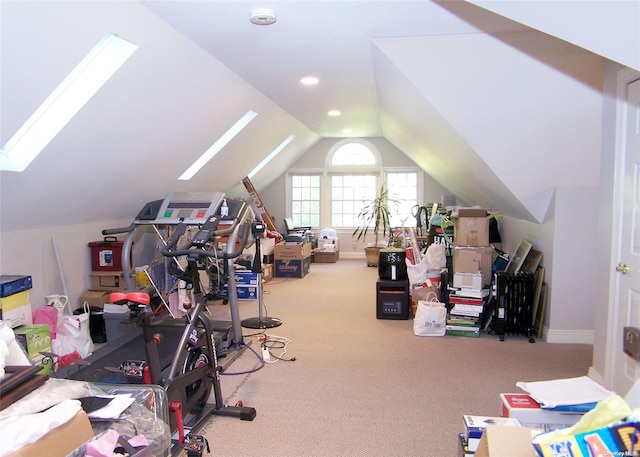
[472, 262]
[471, 251]
[328, 250]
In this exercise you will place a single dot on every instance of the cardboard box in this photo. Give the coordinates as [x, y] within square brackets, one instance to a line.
[292, 268]
[468, 280]
[246, 286]
[528, 411]
[472, 212]
[498, 441]
[242, 292]
[246, 278]
[471, 231]
[15, 309]
[326, 256]
[107, 281]
[34, 338]
[61, 440]
[476, 425]
[468, 259]
[95, 298]
[292, 260]
[292, 251]
[12, 284]
[267, 272]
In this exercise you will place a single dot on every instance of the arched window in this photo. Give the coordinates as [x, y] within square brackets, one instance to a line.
[353, 153]
[353, 172]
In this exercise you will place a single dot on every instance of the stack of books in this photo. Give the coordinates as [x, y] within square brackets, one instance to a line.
[465, 311]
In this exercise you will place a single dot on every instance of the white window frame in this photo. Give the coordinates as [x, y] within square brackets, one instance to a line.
[328, 170]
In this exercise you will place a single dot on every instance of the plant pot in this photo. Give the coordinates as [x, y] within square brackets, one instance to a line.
[372, 254]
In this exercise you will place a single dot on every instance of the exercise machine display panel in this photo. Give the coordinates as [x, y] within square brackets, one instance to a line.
[188, 207]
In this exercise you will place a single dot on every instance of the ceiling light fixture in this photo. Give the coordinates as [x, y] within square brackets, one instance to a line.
[217, 146]
[309, 81]
[273, 153]
[65, 101]
[334, 112]
[263, 16]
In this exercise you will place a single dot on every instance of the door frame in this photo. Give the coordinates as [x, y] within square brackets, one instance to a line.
[614, 334]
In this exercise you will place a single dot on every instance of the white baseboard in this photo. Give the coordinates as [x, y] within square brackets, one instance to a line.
[597, 377]
[352, 255]
[568, 336]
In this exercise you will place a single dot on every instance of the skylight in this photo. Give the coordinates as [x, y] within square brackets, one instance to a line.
[65, 101]
[217, 146]
[273, 153]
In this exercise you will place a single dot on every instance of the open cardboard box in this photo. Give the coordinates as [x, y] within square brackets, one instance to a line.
[499, 441]
[61, 440]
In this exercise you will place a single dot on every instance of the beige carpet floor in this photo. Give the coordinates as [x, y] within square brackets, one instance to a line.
[361, 386]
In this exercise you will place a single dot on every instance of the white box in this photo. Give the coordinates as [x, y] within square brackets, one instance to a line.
[528, 411]
[468, 280]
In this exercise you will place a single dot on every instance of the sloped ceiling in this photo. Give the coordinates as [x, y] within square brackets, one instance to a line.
[495, 111]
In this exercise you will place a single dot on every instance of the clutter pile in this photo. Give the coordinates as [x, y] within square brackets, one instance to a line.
[564, 417]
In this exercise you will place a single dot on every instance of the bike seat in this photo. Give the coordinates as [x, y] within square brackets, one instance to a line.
[139, 298]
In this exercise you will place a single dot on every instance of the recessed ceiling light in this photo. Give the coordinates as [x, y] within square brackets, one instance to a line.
[309, 80]
[347, 130]
[334, 112]
[263, 16]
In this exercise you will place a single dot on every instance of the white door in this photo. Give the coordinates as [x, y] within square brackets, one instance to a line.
[627, 370]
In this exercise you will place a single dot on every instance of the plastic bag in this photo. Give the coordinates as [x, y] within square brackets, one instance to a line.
[47, 315]
[436, 257]
[72, 334]
[431, 317]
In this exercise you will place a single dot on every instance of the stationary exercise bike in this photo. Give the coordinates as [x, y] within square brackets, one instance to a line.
[194, 371]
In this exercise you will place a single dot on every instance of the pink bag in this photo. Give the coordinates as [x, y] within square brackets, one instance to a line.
[47, 315]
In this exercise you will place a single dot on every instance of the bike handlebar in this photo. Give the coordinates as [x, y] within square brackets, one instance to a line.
[115, 231]
[197, 252]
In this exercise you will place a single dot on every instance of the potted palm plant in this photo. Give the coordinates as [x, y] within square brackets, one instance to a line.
[374, 217]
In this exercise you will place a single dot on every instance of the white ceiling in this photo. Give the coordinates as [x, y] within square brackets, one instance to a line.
[496, 112]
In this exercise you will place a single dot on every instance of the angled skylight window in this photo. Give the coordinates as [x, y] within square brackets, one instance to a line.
[65, 101]
[273, 153]
[217, 146]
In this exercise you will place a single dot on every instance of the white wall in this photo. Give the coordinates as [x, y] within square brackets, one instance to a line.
[568, 243]
[31, 252]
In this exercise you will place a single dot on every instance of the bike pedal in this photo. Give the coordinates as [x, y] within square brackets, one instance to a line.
[134, 370]
[195, 445]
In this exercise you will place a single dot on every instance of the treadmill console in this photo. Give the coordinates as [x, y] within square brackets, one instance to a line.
[188, 207]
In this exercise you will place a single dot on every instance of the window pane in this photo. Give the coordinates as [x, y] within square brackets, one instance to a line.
[305, 200]
[347, 195]
[403, 187]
